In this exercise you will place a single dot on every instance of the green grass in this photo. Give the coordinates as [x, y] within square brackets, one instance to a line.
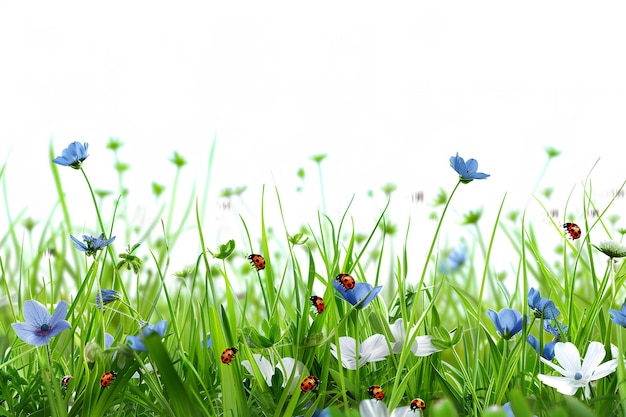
[269, 313]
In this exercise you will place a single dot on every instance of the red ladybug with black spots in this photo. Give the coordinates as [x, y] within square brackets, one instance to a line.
[376, 391]
[107, 378]
[346, 281]
[228, 355]
[573, 230]
[309, 383]
[418, 404]
[257, 261]
[318, 303]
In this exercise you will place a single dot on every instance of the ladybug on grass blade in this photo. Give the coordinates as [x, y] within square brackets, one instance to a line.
[572, 230]
[107, 378]
[346, 281]
[228, 355]
[376, 391]
[418, 404]
[257, 261]
[309, 383]
[318, 302]
[65, 381]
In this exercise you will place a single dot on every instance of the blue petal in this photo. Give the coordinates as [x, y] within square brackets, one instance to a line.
[78, 244]
[548, 350]
[532, 340]
[533, 298]
[618, 317]
[471, 166]
[35, 313]
[136, 343]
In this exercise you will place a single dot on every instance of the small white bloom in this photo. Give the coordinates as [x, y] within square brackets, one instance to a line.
[422, 346]
[285, 365]
[574, 374]
[375, 408]
[373, 349]
[265, 367]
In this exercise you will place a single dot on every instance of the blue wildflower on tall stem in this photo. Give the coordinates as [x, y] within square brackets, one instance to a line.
[73, 156]
[542, 307]
[361, 295]
[40, 326]
[466, 170]
[508, 322]
[92, 244]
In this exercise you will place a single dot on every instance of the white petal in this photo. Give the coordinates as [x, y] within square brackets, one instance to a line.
[562, 384]
[423, 346]
[603, 370]
[348, 352]
[554, 366]
[568, 356]
[286, 366]
[265, 367]
[405, 411]
[397, 331]
[373, 408]
[374, 349]
[593, 358]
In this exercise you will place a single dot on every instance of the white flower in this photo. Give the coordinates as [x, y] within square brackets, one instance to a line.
[422, 346]
[287, 366]
[375, 408]
[574, 374]
[373, 349]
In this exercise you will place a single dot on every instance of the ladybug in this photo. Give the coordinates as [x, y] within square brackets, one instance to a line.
[257, 261]
[107, 378]
[572, 230]
[346, 281]
[65, 381]
[417, 404]
[309, 383]
[228, 355]
[318, 302]
[376, 391]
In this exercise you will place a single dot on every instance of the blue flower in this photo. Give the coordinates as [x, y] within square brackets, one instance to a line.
[108, 296]
[542, 307]
[40, 326]
[73, 156]
[555, 330]
[94, 244]
[136, 342]
[361, 295]
[455, 260]
[619, 316]
[508, 322]
[548, 348]
[466, 170]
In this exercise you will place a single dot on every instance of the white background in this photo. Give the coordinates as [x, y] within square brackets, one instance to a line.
[388, 90]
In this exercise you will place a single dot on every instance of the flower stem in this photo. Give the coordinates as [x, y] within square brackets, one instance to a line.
[430, 251]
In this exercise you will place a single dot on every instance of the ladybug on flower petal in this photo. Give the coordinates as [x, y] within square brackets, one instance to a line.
[376, 391]
[418, 404]
[309, 383]
[257, 261]
[228, 355]
[107, 378]
[572, 230]
[318, 302]
[346, 281]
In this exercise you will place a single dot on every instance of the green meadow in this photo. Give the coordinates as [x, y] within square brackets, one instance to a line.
[322, 319]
